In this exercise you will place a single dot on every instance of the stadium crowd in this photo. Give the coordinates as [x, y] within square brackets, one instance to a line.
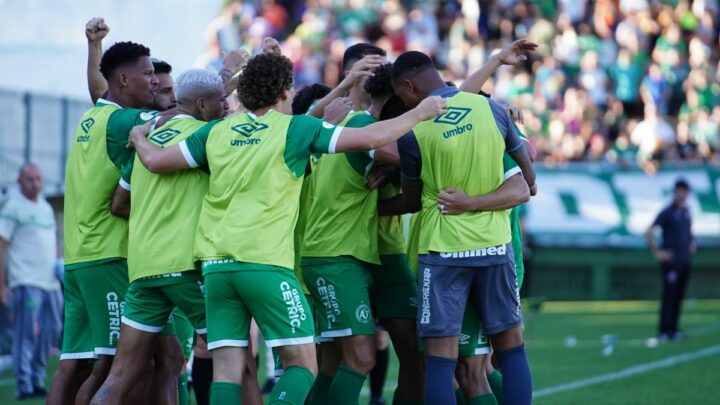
[613, 81]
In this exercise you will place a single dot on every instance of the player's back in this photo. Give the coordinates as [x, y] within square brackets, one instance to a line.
[461, 149]
[91, 231]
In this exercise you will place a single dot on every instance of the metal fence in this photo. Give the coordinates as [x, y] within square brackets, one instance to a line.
[37, 128]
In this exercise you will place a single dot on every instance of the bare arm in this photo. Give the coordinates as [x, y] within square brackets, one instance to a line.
[407, 202]
[521, 157]
[510, 55]
[513, 192]
[233, 63]
[95, 31]
[383, 133]
[388, 154]
[362, 68]
[155, 159]
[120, 203]
[660, 254]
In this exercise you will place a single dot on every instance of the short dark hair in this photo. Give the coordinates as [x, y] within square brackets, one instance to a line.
[358, 51]
[264, 80]
[380, 84]
[411, 63]
[121, 54]
[682, 183]
[307, 96]
[394, 107]
[161, 66]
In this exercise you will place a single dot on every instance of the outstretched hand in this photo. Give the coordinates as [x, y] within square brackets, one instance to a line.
[96, 29]
[516, 52]
[235, 60]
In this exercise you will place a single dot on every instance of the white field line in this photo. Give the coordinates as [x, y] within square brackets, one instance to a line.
[629, 372]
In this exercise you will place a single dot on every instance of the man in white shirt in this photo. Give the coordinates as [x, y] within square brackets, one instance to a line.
[28, 239]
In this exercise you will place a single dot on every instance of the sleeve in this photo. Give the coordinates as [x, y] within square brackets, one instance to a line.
[193, 147]
[8, 222]
[360, 161]
[410, 159]
[510, 167]
[118, 128]
[307, 135]
[662, 218]
[506, 126]
[126, 174]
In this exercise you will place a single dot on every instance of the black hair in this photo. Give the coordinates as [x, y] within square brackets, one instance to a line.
[264, 80]
[411, 63]
[380, 84]
[359, 51]
[121, 54]
[305, 97]
[394, 107]
[161, 66]
[682, 183]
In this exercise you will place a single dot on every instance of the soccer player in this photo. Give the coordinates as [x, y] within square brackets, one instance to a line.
[162, 269]
[245, 232]
[95, 240]
[467, 255]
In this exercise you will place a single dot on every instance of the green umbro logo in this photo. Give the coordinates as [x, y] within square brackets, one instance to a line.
[85, 125]
[453, 116]
[164, 136]
[247, 130]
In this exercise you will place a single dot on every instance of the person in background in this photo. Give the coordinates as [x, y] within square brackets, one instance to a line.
[675, 254]
[28, 235]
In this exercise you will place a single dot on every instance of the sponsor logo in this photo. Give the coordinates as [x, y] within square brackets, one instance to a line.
[147, 116]
[164, 136]
[454, 116]
[500, 250]
[464, 339]
[363, 314]
[85, 126]
[482, 339]
[248, 129]
[115, 310]
[425, 307]
[329, 299]
[296, 311]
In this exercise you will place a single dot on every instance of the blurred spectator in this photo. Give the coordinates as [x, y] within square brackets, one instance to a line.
[601, 62]
[28, 235]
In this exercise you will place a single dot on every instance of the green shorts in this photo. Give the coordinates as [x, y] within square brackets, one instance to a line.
[394, 288]
[340, 287]
[273, 297]
[94, 302]
[279, 369]
[151, 300]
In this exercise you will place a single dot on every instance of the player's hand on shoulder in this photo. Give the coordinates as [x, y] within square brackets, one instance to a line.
[452, 201]
[337, 110]
[431, 107]
[362, 68]
[96, 29]
[516, 114]
[138, 132]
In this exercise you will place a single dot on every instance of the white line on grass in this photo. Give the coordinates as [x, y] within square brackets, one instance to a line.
[629, 372]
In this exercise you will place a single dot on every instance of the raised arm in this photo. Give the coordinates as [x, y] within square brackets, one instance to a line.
[4, 290]
[510, 55]
[95, 31]
[383, 133]
[233, 63]
[155, 159]
[363, 67]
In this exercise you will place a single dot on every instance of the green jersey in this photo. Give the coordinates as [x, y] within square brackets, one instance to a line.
[341, 216]
[165, 208]
[97, 154]
[391, 240]
[256, 173]
[461, 149]
[515, 228]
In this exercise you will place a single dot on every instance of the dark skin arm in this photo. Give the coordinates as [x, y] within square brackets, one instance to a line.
[407, 202]
[120, 203]
[513, 192]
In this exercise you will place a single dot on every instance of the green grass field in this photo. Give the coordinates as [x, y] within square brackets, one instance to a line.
[683, 372]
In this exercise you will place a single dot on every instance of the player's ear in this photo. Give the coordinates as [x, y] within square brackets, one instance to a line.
[200, 104]
[122, 79]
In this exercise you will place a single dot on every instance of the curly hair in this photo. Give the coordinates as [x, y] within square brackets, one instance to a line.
[394, 107]
[306, 97]
[380, 84]
[121, 54]
[264, 79]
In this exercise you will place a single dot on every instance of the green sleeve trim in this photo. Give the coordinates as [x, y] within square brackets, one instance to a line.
[519, 133]
[306, 135]
[360, 162]
[196, 145]
[126, 171]
[509, 165]
[119, 125]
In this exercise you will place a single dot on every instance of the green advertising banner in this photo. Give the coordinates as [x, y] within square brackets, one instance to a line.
[587, 205]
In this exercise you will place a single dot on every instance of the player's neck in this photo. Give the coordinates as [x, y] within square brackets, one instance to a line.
[376, 105]
[359, 98]
[121, 99]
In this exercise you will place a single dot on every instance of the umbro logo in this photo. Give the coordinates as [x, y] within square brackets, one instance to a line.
[164, 136]
[87, 124]
[248, 129]
[453, 116]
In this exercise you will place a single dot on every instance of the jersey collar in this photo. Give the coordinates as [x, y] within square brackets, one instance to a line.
[445, 92]
[103, 101]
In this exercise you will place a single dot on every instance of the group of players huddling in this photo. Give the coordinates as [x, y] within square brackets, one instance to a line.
[286, 211]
